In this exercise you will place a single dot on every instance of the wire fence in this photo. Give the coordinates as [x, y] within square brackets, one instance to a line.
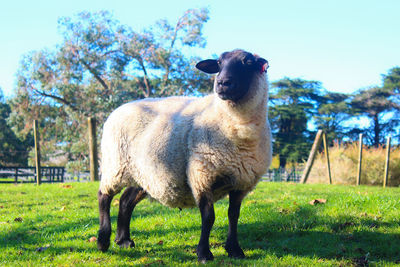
[59, 175]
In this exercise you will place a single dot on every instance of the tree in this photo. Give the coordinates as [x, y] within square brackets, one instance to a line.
[391, 81]
[99, 65]
[375, 103]
[333, 111]
[13, 151]
[293, 104]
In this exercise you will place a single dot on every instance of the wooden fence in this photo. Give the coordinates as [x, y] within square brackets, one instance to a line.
[28, 174]
[317, 142]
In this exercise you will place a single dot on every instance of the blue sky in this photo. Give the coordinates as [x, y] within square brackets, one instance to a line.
[346, 45]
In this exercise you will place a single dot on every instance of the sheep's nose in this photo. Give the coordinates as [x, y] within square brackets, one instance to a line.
[226, 83]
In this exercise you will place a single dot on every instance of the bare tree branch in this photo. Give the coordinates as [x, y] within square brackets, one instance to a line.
[57, 98]
[94, 73]
[146, 82]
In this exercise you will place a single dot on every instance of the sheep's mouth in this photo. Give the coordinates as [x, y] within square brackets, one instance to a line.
[231, 96]
[225, 96]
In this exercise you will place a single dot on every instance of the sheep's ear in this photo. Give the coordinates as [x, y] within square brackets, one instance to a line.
[263, 63]
[209, 66]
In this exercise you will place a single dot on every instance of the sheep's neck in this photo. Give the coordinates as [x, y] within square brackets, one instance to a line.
[243, 126]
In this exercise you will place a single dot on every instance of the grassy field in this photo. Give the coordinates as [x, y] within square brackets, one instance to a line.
[54, 224]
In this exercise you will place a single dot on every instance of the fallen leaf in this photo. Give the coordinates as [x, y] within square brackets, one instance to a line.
[1, 207]
[160, 242]
[317, 201]
[63, 208]
[19, 219]
[115, 202]
[92, 239]
[66, 186]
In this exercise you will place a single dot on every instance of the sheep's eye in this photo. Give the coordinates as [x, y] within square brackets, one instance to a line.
[249, 62]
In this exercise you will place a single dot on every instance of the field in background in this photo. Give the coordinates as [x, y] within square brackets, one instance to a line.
[281, 224]
[344, 166]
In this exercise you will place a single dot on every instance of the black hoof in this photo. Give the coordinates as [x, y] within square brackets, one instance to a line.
[203, 256]
[103, 240]
[128, 243]
[236, 252]
[103, 244]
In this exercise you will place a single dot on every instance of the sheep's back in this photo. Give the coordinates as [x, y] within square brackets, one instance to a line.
[145, 144]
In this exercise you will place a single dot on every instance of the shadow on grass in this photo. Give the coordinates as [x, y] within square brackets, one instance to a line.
[300, 233]
[303, 233]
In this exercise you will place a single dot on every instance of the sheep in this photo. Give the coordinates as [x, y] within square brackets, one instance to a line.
[187, 151]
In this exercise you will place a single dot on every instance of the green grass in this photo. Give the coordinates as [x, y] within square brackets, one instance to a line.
[51, 225]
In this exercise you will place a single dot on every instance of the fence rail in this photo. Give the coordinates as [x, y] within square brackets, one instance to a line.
[283, 175]
[28, 174]
[59, 175]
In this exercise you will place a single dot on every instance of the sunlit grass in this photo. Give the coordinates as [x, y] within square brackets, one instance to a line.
[53, 225]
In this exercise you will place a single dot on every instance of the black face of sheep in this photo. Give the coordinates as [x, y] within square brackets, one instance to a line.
[235, 72]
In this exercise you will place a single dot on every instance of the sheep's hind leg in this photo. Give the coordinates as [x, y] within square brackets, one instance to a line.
[232, 244]
[103, 240]
[206, 207]
[127, 203]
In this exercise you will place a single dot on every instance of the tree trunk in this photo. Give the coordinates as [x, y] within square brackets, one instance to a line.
[377, 130]
[282, 161]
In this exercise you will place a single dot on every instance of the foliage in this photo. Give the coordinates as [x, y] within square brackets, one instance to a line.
[293, 103]
[13, 150]
[99, 65]
[333, 111]
[344, 165]
[391, 80]
[375, 103]
[47, 226]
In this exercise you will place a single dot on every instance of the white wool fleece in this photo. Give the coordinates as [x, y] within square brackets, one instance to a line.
[179, 148]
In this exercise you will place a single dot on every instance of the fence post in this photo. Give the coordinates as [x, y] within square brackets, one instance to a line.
[328, 165]
[360, 144]
[311, 157]
[37, 152]
[94, 173]
[16, 174]
[385, 179]
[62, 174]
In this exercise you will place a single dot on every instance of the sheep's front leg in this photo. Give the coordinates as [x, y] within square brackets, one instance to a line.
[103, 239]
[206, 207]
[127, 203]
[232, 244]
